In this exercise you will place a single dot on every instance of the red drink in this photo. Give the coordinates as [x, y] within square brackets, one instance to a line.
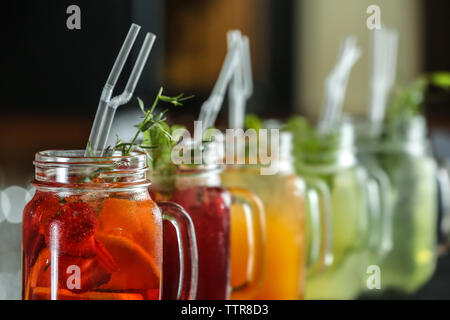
[209, 209]
[92, 232]
[208, 205]
[89, 245]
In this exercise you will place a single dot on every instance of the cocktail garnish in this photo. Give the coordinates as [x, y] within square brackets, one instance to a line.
[157, 141]
[408, 100]
[75, 223]
[155, 122]
[252, 121]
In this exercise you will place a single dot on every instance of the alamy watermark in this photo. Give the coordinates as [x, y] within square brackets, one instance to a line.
[236, 146]
[374, 278]
[374, 20]
[74, 279]
[74, 19]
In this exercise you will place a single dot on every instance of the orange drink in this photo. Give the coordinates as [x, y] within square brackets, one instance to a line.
[285, 205]
[285, 232]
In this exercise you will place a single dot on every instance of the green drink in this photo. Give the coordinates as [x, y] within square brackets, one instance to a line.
[404, 155]
[330, 158]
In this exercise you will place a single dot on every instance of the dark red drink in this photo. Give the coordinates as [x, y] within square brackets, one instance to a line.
[209, 209]
[197, 187]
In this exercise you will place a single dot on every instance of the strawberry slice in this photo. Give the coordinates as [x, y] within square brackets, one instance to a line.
[72, 231]
[37, 213]
[91, 273]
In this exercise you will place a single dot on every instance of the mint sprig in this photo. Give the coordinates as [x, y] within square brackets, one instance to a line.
[154, 123]
[157, 141]
[408, 100]
[252, 121]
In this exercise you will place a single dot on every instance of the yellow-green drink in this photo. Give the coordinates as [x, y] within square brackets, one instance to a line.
[330, 158]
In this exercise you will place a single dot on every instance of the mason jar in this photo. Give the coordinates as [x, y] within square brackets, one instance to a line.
[331, 159]
[197, 187]
[287, 200]
[404, 154]
[92, 231]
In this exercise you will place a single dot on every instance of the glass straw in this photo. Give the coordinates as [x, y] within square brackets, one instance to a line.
[336, 84]
[241, 87]
[107, 106]
[211, 107]
[383, 69]
[110, 84]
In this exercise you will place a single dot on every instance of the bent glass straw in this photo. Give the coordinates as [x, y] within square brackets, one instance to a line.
[107, 107]
[383, 69]
[241, 87]
[336, 84]
[211, 107]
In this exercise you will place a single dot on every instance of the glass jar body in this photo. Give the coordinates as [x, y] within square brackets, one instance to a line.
[89, 217]
[412, 176]
[344, 278]
[328, 158]
[78, 245]
[402, 153]
[208, 205]
[283, 198]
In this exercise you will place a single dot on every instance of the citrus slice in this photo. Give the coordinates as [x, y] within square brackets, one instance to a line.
[92, 273]
[136, 220]
[34, 275]
[137, 268]
[43, 293]
[40, 272]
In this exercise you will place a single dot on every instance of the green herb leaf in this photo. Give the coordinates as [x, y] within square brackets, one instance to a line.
[153, 125]
[440, 79]
[252, 121]
[141, 105]
[159, 137]
[91, 153]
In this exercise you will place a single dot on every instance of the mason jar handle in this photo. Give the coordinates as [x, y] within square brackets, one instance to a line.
[319, 210]
[379, 193]
[443, 180]
[187, 244]
[256, 243]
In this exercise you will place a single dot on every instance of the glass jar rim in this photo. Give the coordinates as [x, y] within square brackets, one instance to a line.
[55, 158]
[407, 135]
[72, 169]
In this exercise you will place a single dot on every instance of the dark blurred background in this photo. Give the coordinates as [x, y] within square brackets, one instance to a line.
[52, 77]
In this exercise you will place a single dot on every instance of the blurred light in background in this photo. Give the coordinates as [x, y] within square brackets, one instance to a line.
[321, 24]
[12, 202]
